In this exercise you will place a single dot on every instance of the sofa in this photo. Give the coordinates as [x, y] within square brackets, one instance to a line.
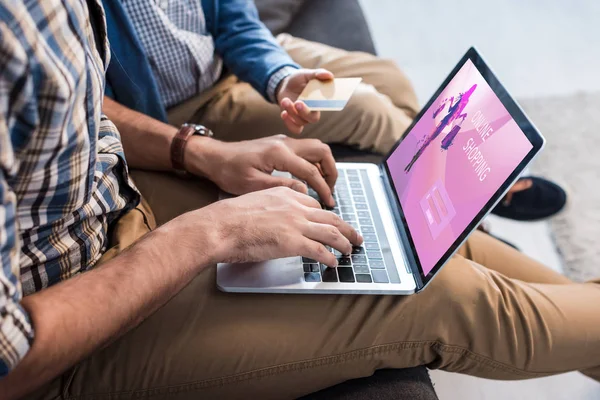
[341, 23]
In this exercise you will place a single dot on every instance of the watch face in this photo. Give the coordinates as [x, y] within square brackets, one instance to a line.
[199, 129]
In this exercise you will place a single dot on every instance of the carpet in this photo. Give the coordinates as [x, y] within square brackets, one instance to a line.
[571, 126]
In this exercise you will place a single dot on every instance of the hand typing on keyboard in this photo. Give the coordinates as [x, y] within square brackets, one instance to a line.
[366, 263]
[249, 164]
[277, 223]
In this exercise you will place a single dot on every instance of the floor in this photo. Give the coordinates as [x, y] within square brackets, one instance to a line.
[537, 48]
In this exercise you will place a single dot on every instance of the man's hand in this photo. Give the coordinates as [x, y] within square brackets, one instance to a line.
[243, 167]
[295, 113]
[277, 223]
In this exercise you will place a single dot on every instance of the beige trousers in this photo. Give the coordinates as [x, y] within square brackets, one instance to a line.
[491, 312]
[376, 116]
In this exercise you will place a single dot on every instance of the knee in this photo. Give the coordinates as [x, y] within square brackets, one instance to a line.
[466, 296]
[485, 314]
[368, 105]
[459, 282]
[378, 124]
[398, 85]
[463, 292]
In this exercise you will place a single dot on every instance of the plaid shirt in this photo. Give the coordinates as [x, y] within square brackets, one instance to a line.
[63, 176]
[181, 52]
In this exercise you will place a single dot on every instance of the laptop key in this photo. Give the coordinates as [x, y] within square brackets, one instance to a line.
[361, 206]
[365, 221]
[353, 178]
[360, 199]
[359, 259]
[370, 238]
[344, 202]
[306, 267]
[379, 276]
[374, 254]
[363, 278]
[357, 192]
[371, 246]
[307, 260]
[376, 264]
[367, 229]
[348, 217]
[312, 267]
[347, 210]
[345, 274]
[312, 277]
[355, 185]
[363, 214]
[344, 261]
[351, 172]
[328, 274]
[358, 250]
[361, 268]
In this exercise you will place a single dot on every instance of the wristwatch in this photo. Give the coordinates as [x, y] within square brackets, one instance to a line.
[180, 141]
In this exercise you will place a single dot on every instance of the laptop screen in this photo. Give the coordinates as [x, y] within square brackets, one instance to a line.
[453, 160]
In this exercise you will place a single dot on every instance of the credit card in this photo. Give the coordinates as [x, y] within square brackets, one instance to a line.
[332, 95]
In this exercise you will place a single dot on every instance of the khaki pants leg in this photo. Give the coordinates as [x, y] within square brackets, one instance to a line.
[375, 118]
[205, 344]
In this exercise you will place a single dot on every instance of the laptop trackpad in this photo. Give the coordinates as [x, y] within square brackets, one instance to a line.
[267, 274]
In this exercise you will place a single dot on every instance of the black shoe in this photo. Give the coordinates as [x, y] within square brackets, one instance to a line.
[542, 200]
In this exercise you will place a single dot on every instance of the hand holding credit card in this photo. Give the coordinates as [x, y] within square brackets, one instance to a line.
[332, 95]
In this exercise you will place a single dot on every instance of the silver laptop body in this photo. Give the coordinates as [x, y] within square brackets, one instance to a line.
[388, 269]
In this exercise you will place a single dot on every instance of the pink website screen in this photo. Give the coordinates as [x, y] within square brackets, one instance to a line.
[452, 162]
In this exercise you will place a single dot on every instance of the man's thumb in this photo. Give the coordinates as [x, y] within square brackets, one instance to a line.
[323, 74]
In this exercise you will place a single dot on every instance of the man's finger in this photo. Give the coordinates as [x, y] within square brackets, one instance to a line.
[329, 218]
[328, 235]
[309, 173]
[317, 251]
[320, 74]
[305, 113]
[307, 201]
[291, 126]
[285, 102]
[292, 112]
[317, 152]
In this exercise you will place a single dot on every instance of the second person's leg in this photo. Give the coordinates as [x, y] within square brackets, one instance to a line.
[498, 256]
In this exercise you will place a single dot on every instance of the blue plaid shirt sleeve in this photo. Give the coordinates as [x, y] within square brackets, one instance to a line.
[16, 331]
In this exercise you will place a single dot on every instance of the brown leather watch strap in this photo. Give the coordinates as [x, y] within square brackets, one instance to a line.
[178, 146]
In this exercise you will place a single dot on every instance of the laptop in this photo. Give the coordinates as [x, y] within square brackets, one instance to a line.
[456, 161]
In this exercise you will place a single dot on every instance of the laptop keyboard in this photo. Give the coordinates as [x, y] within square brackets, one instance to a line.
[367, 263]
